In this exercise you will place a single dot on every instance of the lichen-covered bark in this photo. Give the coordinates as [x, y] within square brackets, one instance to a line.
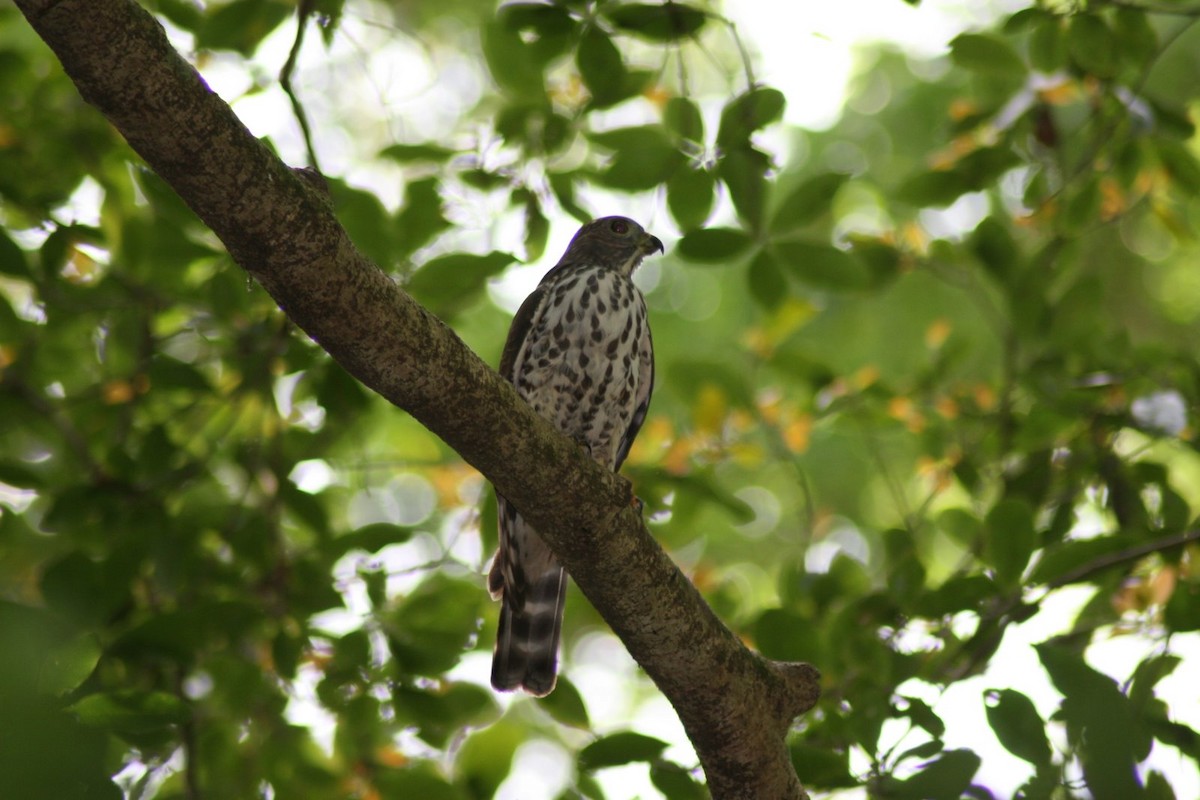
[735, 705]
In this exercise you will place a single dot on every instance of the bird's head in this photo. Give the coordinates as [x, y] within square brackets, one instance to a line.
[618, 242]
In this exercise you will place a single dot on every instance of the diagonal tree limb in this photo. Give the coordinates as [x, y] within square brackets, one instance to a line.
[735, 705]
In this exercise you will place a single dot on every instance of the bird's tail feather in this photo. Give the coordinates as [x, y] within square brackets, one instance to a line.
[526, 654]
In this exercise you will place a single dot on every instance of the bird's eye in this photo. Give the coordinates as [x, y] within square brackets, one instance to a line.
[619, 226]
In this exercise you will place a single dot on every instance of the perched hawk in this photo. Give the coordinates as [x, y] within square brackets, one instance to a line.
[579, 352]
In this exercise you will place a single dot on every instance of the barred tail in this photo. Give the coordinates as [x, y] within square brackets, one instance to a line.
[526, 653]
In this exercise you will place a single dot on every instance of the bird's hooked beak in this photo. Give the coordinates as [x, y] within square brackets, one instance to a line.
[648, 244]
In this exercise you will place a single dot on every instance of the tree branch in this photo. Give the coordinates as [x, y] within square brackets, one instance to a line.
[735, 706]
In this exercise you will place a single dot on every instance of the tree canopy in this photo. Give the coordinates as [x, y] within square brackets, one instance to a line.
[925, 379]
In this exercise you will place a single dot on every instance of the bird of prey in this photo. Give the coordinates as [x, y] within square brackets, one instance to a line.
[579, 352]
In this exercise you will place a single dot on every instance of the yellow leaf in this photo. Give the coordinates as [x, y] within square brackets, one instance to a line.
[389, 756]
[947, 406]
[937, 333]
[657, 95]
[746, 454]
[117, 392]
[1060, 94]
[710, 409]
[798, 432]
[985, 396]
[80, 268]
[865, 376]
[961, 108]
[1112, 198]
[899, 408]
[769, 403]
[914, 237]
[676, 459]
[8, 354]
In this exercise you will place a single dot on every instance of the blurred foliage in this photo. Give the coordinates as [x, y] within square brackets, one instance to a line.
[919, 374]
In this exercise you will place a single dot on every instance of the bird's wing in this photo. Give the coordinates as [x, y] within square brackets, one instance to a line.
[645, 389]
[519, 330]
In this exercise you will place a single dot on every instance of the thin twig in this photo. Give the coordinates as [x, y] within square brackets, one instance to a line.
[747, 66]
[191, 770]
[1121, 556]
[304, 10]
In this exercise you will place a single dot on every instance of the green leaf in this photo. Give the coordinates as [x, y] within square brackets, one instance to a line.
[961, 593]
[1092, 45]
[682, 117]
[821, 767]
[1099, 718]
[537, 229]
[620, 748]
[807, 202]
[820, 265]
[1183, 609]
[180, 634]
[241, 25]
[983, 166]
[937, 188]
[15, 473]
[87, 590]
[185, 15]
[656, 22]
[431, 628]
[409, 153]
[945, 778]
[1147, 675]
[786, 636]
[744, 172]
[675, 782]
[12, 258]
[1158, 787]
[986, 54]
[1061, 559]
[690, 197]
[1136, 37]
[366, 220]
[768, 284]
[439, 715]
[449, 283]
[1047, 44]
[925, 750]
[1011, 539]
[565, 705]
[371, 538]
[748, 113]
[922, 716]
[1018, 726]
[131, 711]
[713, 245]
[419, 778]
[994, 246]
[700, 483]
[544, 32]
[563, 186]
[974, 172]
[486, 757]
[1083, 206]
[881, 260]
[67, 664]
[643, 157]
[513, 66]
[601, 68]
[1179, 163]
